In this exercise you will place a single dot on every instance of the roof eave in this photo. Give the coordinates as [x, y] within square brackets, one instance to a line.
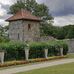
[8, 20]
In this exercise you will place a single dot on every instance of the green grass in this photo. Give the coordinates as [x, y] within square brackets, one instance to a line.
[60, 69]
[70, 55]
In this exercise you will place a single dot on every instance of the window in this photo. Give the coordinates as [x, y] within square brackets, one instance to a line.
[29, 26]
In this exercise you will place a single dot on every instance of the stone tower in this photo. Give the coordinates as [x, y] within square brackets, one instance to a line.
[24, 26]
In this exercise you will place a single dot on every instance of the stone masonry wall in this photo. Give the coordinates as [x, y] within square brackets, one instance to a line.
[18, 30]
[70, 43]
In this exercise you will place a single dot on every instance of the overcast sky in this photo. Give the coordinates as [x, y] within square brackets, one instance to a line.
[62, 10]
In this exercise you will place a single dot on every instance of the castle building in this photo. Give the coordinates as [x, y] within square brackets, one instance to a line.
[24, 26]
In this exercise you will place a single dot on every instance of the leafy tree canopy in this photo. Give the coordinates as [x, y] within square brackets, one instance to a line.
[40, 10]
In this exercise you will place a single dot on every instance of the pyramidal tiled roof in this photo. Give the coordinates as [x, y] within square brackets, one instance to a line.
[23, 15]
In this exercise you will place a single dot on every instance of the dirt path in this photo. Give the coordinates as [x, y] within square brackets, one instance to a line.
[35, 66]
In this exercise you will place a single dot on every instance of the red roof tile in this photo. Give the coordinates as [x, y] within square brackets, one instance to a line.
[23, 15]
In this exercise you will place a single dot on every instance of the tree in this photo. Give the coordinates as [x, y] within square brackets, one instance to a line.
[4, 34]
[58, 32]
[70, 33]
[36, 9]
[40, 10]
[46, 29]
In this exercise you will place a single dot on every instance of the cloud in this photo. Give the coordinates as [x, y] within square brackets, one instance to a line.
[62, 10]
[59, 7]
[63, 20]
[4, 6]
[3, 23]
[7, 2]
[4, 9]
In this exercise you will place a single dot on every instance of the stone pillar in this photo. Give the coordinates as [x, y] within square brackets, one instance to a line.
[27, 54]
[61, 51]
[2, 57]
[46, 53]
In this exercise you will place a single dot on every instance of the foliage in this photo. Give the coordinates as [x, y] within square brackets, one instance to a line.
[46, 29]
[40, 10]
[65, 32]
[3, 34]
[70, 33]
[37, 48]
[15, 50]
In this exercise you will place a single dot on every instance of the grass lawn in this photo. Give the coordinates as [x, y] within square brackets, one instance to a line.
[60, 69]
[70, 55]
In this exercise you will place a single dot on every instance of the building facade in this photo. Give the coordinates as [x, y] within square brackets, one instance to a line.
[24, 26]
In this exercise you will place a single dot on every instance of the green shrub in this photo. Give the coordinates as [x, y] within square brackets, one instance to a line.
[36, 49]
[54, 47]
[65, 49]
[15, 50]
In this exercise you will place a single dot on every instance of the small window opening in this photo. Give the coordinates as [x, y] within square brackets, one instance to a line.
[29, 26]
[18, 36]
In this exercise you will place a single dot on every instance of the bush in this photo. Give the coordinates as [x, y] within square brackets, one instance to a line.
[15, 50]
[54, 47]
[65, 49]
[36, 49]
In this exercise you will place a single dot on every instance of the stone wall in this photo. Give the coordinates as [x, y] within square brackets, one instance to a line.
[15, 28]
[18, 30]
[46, 38]
[70, 43]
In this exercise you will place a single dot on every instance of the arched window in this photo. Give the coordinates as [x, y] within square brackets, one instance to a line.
[29, 26]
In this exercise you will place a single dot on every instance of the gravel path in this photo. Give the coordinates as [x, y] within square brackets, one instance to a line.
[35, 66]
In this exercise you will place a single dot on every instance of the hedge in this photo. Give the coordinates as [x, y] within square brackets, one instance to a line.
[15, 50]
[36, 48]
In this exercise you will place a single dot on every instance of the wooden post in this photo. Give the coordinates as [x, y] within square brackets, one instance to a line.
[2, 57]
[46, 53]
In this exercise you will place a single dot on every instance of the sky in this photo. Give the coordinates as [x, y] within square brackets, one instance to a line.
[61, 10]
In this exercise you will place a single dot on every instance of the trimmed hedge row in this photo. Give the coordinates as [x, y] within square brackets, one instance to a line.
[52, 46]
[15, 50]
